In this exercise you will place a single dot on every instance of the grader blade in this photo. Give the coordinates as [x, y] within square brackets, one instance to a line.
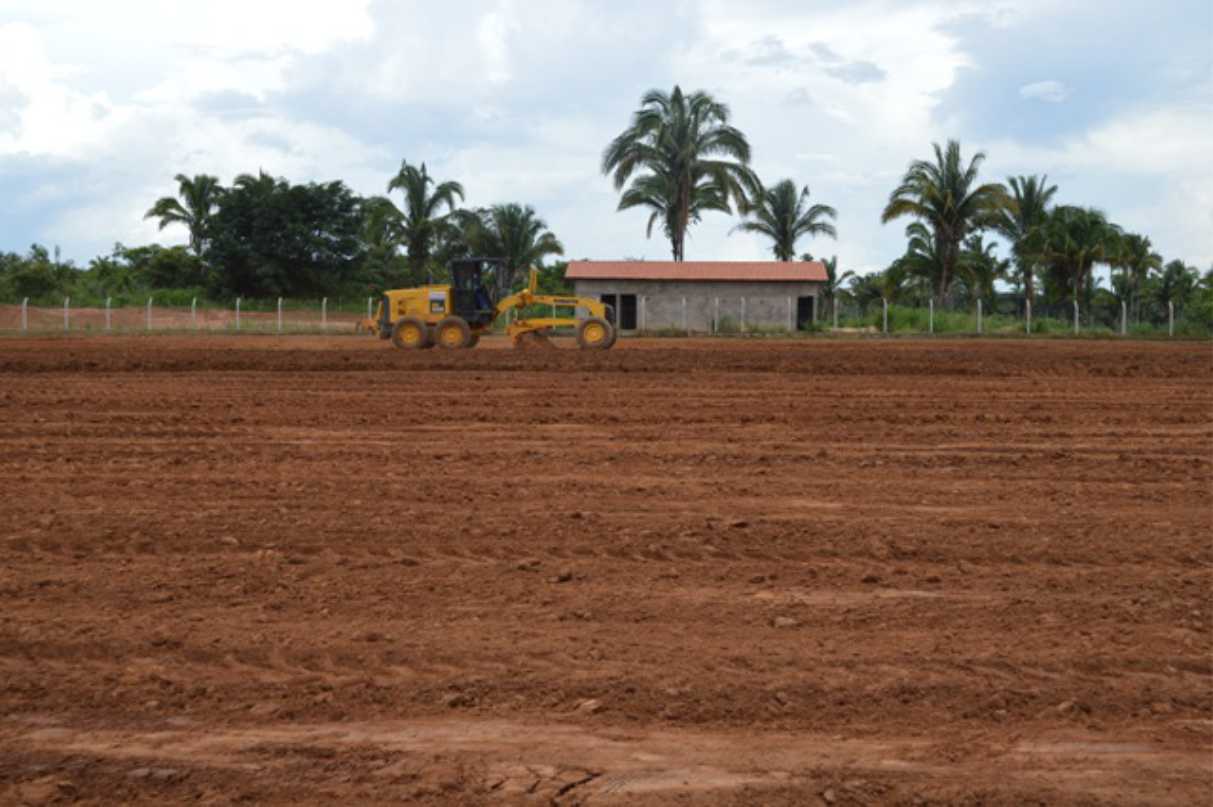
[533, 340]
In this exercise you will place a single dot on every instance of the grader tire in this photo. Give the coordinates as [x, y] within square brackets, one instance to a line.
[475, 340]
[453, 333]
[410, 333]
[595, 333]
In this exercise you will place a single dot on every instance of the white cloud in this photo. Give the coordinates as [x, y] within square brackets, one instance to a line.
[1054, 92]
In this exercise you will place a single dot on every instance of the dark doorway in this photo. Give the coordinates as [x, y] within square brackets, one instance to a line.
[627, 312]
[806, 313]
[612, 303]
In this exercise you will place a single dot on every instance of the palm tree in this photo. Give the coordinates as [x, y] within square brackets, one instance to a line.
[1020, 220]
[1074, 240]
[834, 281]
[1138, 260]
[692, 159]
[944, 195]
[1176, 283]
[199, 196]
[783, 215]
[981, 268]
[514, 233]
[421, 223]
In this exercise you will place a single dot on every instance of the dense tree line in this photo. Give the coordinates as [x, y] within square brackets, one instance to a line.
[679, 159]
[266, 237]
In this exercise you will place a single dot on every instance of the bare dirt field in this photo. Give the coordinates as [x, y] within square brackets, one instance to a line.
[320, 570]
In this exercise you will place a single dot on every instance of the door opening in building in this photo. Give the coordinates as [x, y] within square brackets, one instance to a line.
[627, 312]
[805, 313]
[612, 304]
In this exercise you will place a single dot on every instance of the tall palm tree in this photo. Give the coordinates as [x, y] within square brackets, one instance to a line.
[1138, 259]
[784, 215]
[691, 161]
[421, 222]
[1020, 220]
[514, 233]
[1176, 283]
[981, 267]
[1074, 240]
[196, 199]
[945, 196]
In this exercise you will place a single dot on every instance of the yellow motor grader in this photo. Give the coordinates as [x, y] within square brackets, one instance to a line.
[453, 316]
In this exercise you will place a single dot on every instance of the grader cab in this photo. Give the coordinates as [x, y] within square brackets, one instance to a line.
[453, 316]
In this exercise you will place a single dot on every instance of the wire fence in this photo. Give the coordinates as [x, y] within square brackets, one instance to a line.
[738, 315]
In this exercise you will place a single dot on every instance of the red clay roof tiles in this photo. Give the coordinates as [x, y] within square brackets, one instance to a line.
[752, 271]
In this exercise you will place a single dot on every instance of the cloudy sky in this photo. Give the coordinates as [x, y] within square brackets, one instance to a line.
[101, 103]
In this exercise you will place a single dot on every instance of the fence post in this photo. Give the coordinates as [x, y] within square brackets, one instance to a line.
[979, 317]
[67, 302]
[742, 315]
[716, 317]
[644, 314]
[194, 312]
[1170, 318]
[147, 325]
[107, 313]
[369, 314]
[279, 315]
[324, 313]
[25, 315]
[885, 307]
[1124, 318]
[1028, 308]
[834, 306]
[554, 310]
[1076, 318]
[931, 315]
[791, 324]
[237, 313]
[685, 328]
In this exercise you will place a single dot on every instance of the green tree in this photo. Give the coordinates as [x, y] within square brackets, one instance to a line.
[691, 161]
[945, 197]
[1176, 284]
[421, 224]
[1138, 259]
[784, 215]
[515, 234]
[197, 197]
[980, 267]
[1020, 219]
[272, 238]
[1075, 239]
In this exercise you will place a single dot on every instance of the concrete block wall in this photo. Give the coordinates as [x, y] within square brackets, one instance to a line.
[766, 304]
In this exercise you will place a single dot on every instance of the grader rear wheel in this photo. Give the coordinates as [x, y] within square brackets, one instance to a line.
[410, 333]
[453, 333]
[595, 333]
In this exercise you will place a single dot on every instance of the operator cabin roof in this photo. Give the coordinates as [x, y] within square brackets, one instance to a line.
[717, 271]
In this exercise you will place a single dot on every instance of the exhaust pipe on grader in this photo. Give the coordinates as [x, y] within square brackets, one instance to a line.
[454, 316]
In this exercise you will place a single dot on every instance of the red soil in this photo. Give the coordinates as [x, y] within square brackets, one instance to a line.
[694, 572]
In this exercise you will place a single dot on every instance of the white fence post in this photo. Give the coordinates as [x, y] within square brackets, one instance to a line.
[1028, 309]
[194, 313]
[931, 315]
[644, 313]
[791, 324]
[279, 315]
[716, 317]
[324, 313]
[237, 313]
[369, 312]
[107, 313]
[885, 307]
[1124, 318]
[979, 317]
[1075, 317]
[1170, 318]
[834, 306]
[67, 302]
[148, 321]
[25, 315]
[685, 328]
[742, 315]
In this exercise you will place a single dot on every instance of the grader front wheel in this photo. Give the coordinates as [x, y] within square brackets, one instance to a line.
[410, 333]
[595, 333]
